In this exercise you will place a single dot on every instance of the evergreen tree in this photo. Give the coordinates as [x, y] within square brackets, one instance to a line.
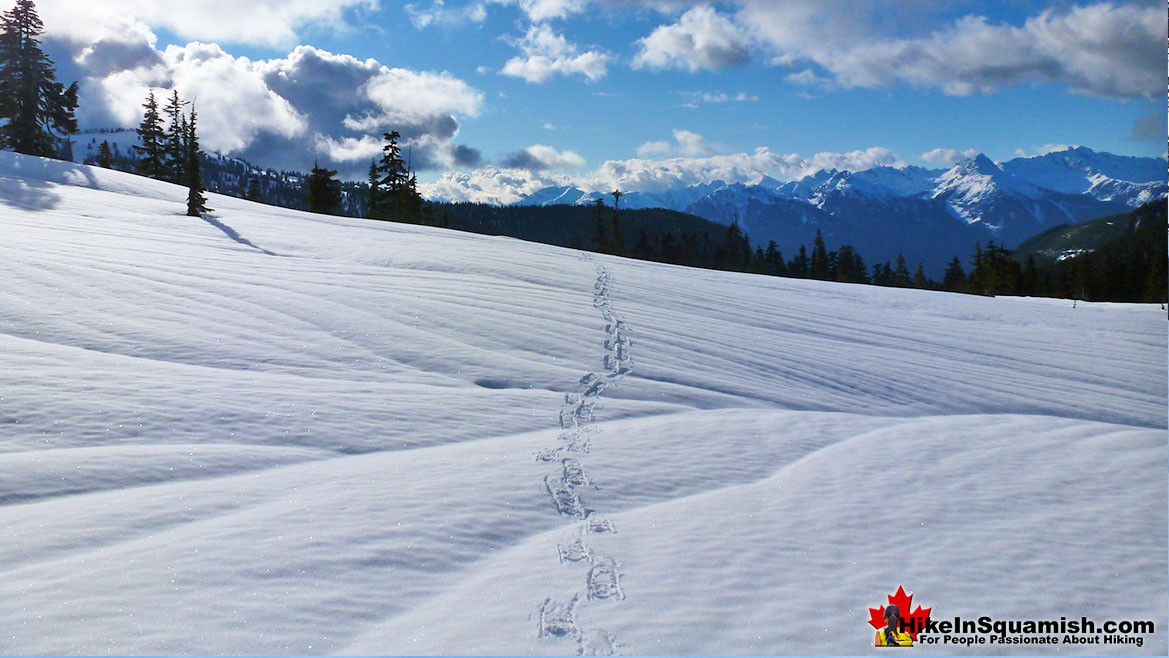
[599, 241]
[954, 279]
[323, 190]
[151, 158]
[174, 150]
[669, 253]
[616, 239]
[1030, 282]
[850, 268]
[37, 107]
[196, 203]
[643, 250]
[393, 181]
[919, 279]
[445, 222]
[901, 274]
[105, 157]
[253, 193]
[819, 265]
[773, 260]
[373, 205]
[799, 265]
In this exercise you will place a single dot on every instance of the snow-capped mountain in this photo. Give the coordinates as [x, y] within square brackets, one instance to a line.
[930, 215]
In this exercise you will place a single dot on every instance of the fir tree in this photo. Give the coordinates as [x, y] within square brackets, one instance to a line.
[818, 268]
[323, 190]
[174, 151]
[150, 150]
[799, 265]
[901, 274]
[373, 205]
[253, 193]
[954, 279]
[600, 240]
[196, 204]
[445, 222]
[919, 279]
[37, 107]
[643, 249]
[105, 157]
[616, 238]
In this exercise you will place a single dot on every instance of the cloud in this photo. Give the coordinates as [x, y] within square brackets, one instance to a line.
[696, 98]
[439, 15]
[685, 144]
[947, 156]
[701, 39]
[543, 10]
[280, 112]
[1103, 49]
[1041, 150]
[264, 22]
[508, 185]
[492, 185]
[539, 157]
[546, 53]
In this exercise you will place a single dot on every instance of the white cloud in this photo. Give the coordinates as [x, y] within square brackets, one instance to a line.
[540, 157]
[696, 98]
[685, 144]
[1105, 49]
[267, 22]
[1041, 150]
[947, 157]
[701, 39]
[546, 53]
[505, 185]
[543, 10]
[493, 185]
[438, 14]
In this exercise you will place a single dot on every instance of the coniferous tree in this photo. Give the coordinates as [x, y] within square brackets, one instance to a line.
[954, 279]
[37, 108]
[373, 204]
[773, 260]
[105, 157]
[174, 151]
[616, 238]
[799, 265]
[445, 222]
[901, 274]
[323, 190]
[1030, 281]
[643, 249]
[600, 240]
[196, 203]
[919, 279]
[253, 193]
[818, 268]
[151, 158]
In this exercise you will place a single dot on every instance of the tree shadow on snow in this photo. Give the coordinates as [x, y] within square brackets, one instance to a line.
[234, 235]
[27, 182]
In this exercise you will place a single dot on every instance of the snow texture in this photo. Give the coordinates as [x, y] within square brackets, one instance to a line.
[267, 431]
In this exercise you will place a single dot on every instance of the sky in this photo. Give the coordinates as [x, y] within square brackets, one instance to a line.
[498, 98]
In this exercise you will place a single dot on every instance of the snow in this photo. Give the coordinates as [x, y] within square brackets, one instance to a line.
[274, 432]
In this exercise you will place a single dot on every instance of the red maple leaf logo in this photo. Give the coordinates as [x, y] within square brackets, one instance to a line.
[913, 622]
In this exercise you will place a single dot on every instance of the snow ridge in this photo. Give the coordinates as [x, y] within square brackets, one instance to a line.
[558, 619]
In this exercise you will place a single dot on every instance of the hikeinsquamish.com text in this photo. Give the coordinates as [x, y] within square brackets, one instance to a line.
[987, 630]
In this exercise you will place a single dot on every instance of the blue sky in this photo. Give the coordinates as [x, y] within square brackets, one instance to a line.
[504, 95]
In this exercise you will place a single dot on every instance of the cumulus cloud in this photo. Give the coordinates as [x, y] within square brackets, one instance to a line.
[282, 112]
[685, 144]
[700, 39]
[1105, 49]
[543, 10]
[947, 157]
[267, 22]
[546, 53]
[438, 14]
[539, 157]
[644, 174]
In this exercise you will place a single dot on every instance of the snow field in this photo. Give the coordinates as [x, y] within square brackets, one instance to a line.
[274, 432]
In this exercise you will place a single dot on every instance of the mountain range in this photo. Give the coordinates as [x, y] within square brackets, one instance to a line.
[929, 215]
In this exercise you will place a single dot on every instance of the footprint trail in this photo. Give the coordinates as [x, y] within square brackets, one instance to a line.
[569, 478]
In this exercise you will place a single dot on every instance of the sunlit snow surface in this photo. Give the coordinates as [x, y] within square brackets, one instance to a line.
[274, 432]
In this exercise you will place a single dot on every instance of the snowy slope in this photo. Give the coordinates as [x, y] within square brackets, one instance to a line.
[274, 432]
